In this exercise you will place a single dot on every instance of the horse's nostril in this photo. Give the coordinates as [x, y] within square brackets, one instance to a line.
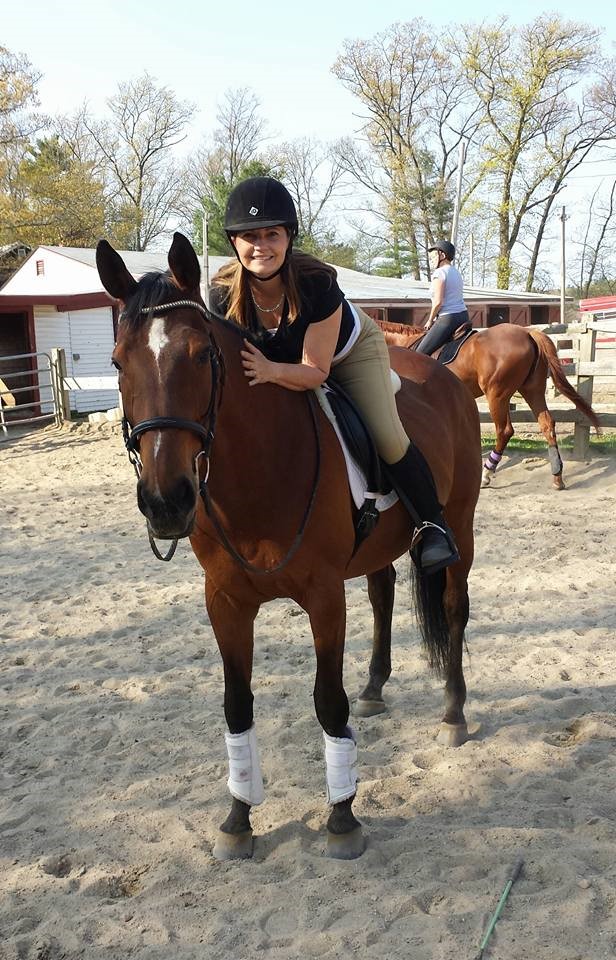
[183, 496]
[171, 510]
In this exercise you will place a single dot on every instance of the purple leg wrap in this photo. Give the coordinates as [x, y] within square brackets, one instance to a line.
[492, 461]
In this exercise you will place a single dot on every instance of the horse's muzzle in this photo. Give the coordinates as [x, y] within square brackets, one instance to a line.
[171, 515]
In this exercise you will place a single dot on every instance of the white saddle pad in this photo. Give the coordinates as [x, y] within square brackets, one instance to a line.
[357, 479]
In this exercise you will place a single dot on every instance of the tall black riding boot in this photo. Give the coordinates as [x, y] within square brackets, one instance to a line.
[433, 544]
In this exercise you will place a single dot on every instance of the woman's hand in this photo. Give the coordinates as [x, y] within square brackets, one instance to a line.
[257, 368]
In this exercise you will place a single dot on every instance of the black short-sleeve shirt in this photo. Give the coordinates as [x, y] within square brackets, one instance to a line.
[320, 296]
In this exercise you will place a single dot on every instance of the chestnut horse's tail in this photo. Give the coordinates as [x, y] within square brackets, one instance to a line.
[431, 618]
[547, 351]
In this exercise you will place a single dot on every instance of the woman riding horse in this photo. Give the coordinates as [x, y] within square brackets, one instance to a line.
[309, 332]
[265, 501]
[448, 310]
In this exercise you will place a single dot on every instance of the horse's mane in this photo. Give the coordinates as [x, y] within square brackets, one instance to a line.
[152, 290]
[389, 327]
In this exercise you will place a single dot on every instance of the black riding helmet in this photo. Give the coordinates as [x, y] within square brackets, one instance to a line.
[445, 247]
[260, 202]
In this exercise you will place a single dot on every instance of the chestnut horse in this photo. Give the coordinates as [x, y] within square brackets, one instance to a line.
[497, 363]
[256, 478]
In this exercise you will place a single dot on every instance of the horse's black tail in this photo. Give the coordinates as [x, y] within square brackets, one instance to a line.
[429, 594]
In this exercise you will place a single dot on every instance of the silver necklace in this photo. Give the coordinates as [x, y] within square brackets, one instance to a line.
[273, 309]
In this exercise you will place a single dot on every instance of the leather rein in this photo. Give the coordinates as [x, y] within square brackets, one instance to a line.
[206, 430]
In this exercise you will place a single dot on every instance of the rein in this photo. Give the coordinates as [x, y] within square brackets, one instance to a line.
[206, 432]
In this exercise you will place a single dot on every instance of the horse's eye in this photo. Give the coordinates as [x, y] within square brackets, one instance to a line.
[115, 364]
[204, 355]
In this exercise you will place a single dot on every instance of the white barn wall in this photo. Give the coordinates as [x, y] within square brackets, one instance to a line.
[87, 333]
[62, 275]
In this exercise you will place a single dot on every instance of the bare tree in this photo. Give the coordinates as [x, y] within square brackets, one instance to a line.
[147, 122]
[240, 131]
[418, 111]
[595, 262]
[312, 172]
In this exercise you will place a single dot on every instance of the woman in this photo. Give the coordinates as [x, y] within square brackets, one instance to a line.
[448, 310]
[309, 331]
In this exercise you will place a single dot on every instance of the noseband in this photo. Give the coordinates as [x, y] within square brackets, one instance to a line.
[204, 431]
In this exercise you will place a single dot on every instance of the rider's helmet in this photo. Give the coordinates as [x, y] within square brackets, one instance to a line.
[445, 247]
[260, 202]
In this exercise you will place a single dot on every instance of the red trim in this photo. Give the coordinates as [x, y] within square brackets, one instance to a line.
[597, 304]
[62, 302]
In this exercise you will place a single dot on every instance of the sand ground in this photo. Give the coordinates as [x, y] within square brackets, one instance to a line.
[113, 766]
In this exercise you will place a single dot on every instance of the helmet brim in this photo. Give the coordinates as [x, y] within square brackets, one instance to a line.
[256, 225]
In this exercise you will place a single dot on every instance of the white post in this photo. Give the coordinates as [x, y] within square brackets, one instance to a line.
[563, 218]
[456, 209]
[471, 256]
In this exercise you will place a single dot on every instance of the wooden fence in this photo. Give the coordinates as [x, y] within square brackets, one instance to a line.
[576, 348]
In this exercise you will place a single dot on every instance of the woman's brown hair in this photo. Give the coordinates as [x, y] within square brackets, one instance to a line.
[239, 300]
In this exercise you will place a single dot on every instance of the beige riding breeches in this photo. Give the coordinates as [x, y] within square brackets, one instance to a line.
[365, 375]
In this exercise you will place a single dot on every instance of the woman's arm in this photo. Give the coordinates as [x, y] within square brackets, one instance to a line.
[319, 346]
[438, 295]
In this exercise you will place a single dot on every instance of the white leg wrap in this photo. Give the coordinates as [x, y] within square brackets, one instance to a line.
[245, 781]
[341, 767]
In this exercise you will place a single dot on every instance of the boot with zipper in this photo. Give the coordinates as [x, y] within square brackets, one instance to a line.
[433, 546]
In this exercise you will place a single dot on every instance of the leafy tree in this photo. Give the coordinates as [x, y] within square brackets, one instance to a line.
[418, 111]
[534, 130]
[55, 199]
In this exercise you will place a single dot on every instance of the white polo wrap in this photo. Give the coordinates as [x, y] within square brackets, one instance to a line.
[341, 767]
[245, 781]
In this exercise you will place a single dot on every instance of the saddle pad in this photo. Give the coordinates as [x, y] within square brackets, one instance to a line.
[357, 480]
[450, 350]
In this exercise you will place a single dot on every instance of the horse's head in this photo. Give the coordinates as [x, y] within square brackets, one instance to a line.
[168, 375]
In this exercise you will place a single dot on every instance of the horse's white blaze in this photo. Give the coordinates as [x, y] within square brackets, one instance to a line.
[158, 339]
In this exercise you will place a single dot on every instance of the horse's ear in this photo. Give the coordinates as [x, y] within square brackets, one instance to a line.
[183, 263]
[116, 279]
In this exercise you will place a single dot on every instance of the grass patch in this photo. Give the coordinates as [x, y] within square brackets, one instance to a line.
[532, 445]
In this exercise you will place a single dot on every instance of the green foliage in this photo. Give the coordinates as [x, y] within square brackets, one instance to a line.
[55, 199]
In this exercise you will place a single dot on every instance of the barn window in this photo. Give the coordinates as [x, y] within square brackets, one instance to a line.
[40, 268]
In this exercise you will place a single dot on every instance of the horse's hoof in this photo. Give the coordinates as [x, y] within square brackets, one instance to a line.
[233, 846]
[485, 481]
[368, 708]
[558, 483]
[452, 734]
[346, 846]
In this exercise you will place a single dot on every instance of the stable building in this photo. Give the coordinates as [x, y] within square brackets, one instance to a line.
[56, 299]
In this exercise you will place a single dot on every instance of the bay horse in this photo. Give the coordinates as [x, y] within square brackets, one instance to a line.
[255, 477]
[498, 362]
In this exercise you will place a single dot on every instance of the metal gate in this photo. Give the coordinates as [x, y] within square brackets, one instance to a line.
[40, 395]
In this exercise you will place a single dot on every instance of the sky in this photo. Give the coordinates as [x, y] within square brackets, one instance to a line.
[282, 51]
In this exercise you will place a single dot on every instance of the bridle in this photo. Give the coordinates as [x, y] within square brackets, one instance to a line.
[205, 430]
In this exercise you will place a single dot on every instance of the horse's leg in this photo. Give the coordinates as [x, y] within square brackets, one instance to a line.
[233, 624]
[499, 411]
[381, 586]
[453, 731]
[534, 394]
[327, 612]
